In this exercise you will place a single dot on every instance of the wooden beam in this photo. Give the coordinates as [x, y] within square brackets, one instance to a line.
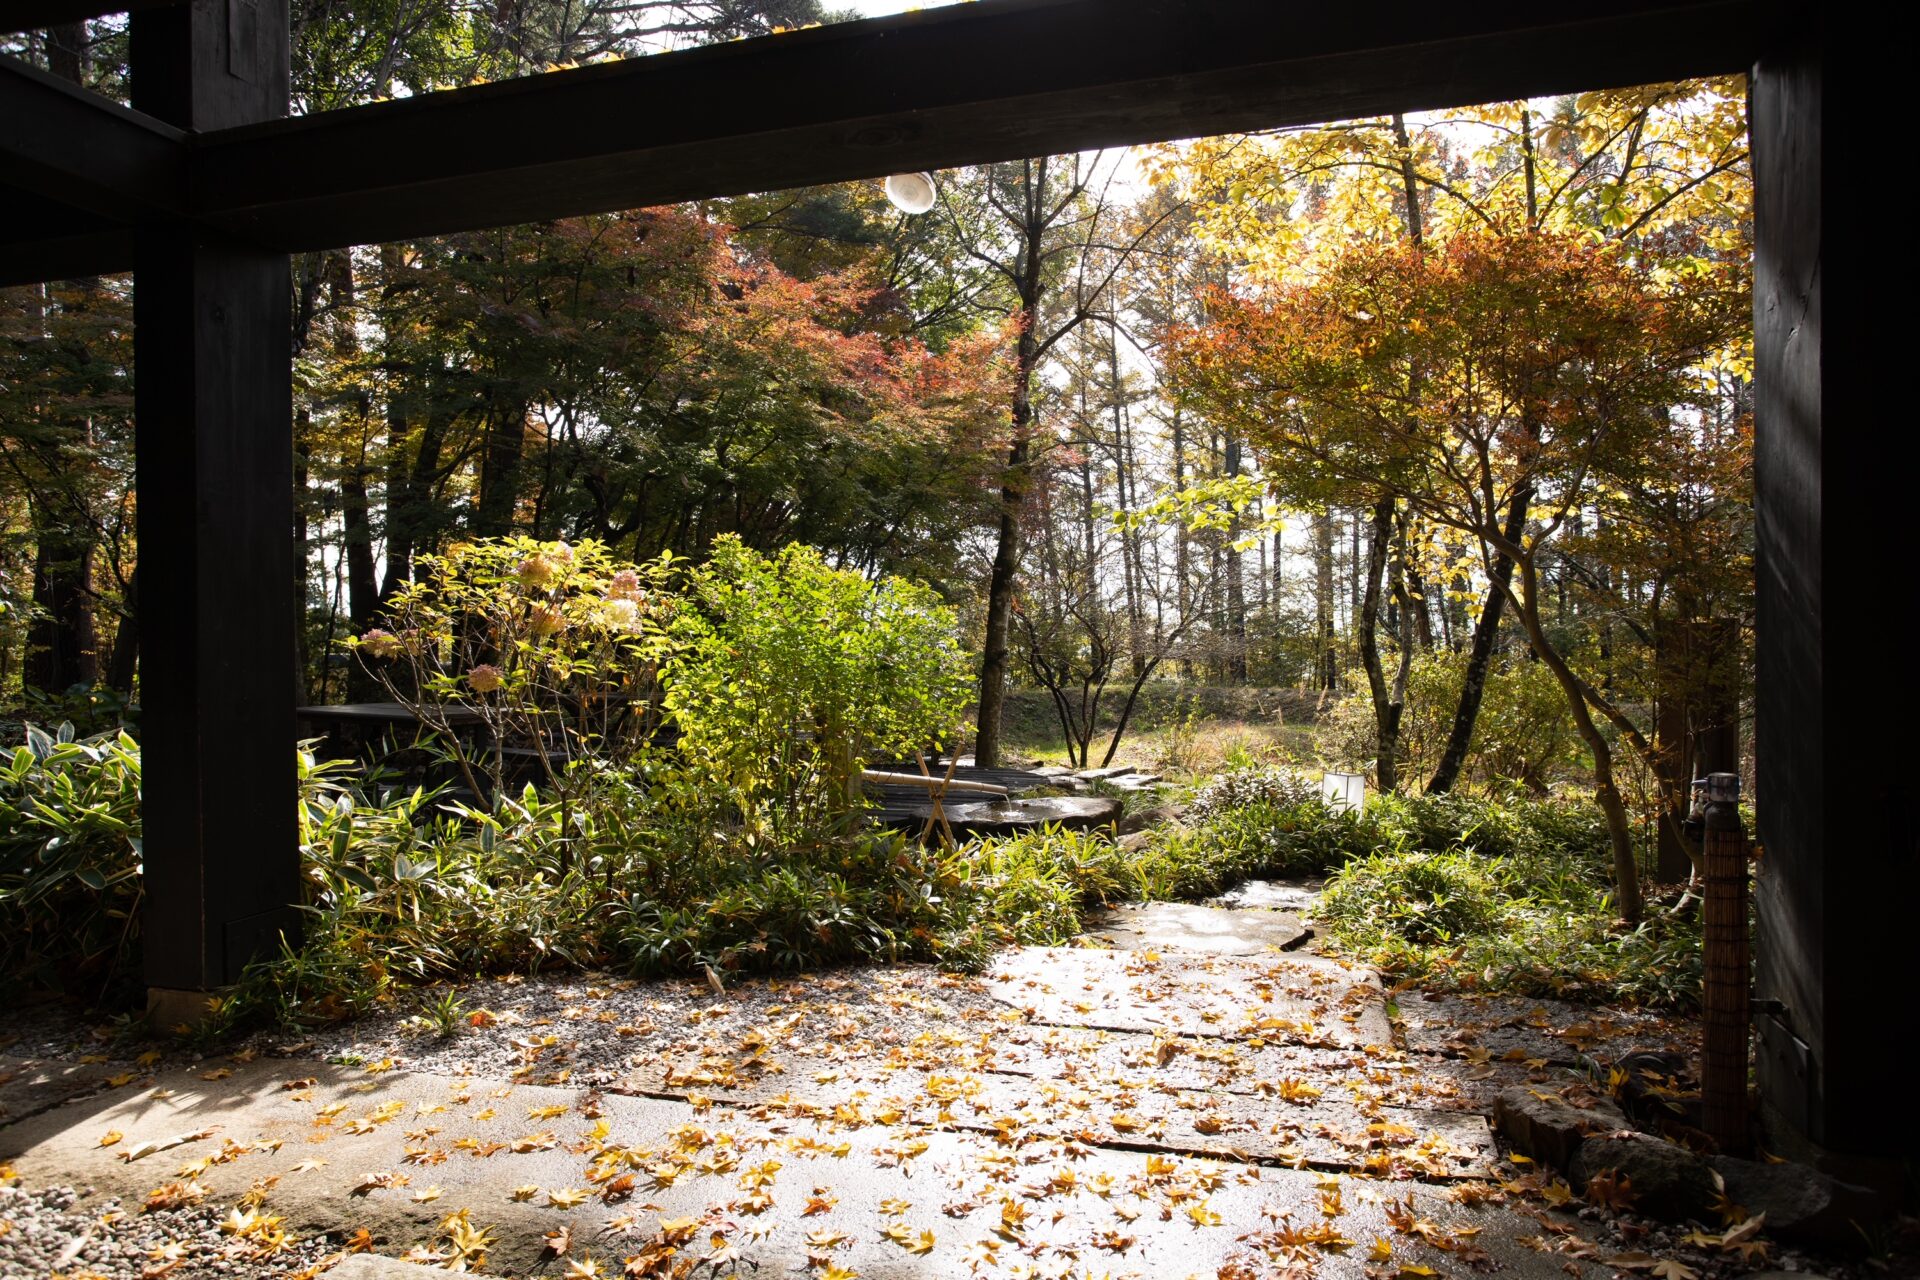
[995, 80]
[213, 453]
[37, 15]
[65, 144]
[65, 257]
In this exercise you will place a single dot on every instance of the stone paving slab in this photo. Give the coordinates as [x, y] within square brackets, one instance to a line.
[1187, 926]
[374, 1266]
[29, 1086]
[1317, 1130]
[1301, 999]
[1282, 1119]
[1389, 1076]
[403, 1150]
[1298, 896]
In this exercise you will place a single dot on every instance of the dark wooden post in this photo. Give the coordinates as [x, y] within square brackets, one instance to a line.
[1839, 865]
[214, 468]
[1729, 967]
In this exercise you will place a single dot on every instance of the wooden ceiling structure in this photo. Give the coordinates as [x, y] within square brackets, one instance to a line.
[206, 186]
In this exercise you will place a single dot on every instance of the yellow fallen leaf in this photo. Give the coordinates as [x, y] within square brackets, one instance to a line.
[110, 1137]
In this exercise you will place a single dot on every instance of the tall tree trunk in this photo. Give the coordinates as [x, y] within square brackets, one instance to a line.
[302, 548]
[1000, 583]
[62, 641]
[1006, 557]
[1236, 592]
[1606, 793]
[1124, 498]
[1473, 684]
[500, 469]
[1030, 278]
[67, 52]
[124, 659]
[1386, 711]
[1328, 675]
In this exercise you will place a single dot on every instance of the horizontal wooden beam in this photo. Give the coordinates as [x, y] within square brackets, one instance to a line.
[64, 144]
[37, 15]
[995, 80]
[69, 257]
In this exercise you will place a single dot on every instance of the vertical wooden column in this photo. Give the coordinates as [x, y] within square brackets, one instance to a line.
[1728, 974]
[1839, 869]
[214, 468]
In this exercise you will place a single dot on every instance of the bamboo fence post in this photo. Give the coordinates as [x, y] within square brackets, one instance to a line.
[1727, 952]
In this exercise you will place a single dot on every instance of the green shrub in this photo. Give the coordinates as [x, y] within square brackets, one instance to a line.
[1275, 788]
[552, 645]
[1035, 887]
[1418, 895]
[1537, 923]
[788, 674]
[70, 859]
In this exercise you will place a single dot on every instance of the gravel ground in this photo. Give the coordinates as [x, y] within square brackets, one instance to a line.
[604, 1027]
[42, 1236]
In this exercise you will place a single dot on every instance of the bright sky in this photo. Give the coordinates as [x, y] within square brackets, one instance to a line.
[876, 8]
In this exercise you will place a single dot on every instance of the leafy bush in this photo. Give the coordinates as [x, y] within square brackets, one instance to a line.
[556, 648]
[1034, 888]
[1536, 923]
[70, 859]
[789, 674]
[1275, 788]
[1414, 894]
[743, 846]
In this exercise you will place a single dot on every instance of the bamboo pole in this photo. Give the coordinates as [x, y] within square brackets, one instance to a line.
[932, 784]
[1728, 968]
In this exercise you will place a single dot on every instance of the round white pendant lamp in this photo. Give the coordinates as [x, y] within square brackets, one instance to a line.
[911, 192]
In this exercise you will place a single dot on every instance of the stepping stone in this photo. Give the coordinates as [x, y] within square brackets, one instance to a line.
[29, 1086]
[1323, 1131]
[1279, 895]
[1186, 926]
[323, 1138]
[1282, 999]
[1105, 774]
[1135, 781]
[374, 1266]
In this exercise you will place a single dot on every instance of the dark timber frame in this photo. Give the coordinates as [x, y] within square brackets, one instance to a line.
[206, 188]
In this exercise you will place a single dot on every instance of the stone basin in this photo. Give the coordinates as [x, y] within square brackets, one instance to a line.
[1008, 817]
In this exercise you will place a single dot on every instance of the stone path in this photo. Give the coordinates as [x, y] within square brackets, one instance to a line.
[1190, 1102]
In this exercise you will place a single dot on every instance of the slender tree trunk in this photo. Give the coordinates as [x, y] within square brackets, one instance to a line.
[67, 52]
[1124, 498]
[1606, 793]
[500, 469]
[1030, 277]
[124, 661]
[1236, 580]
[1386, 711]
[62, 641]
[1473, 685]
[1006, 563]
[1328, 677]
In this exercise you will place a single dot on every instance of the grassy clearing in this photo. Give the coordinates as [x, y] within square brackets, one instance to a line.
[1188, 732]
